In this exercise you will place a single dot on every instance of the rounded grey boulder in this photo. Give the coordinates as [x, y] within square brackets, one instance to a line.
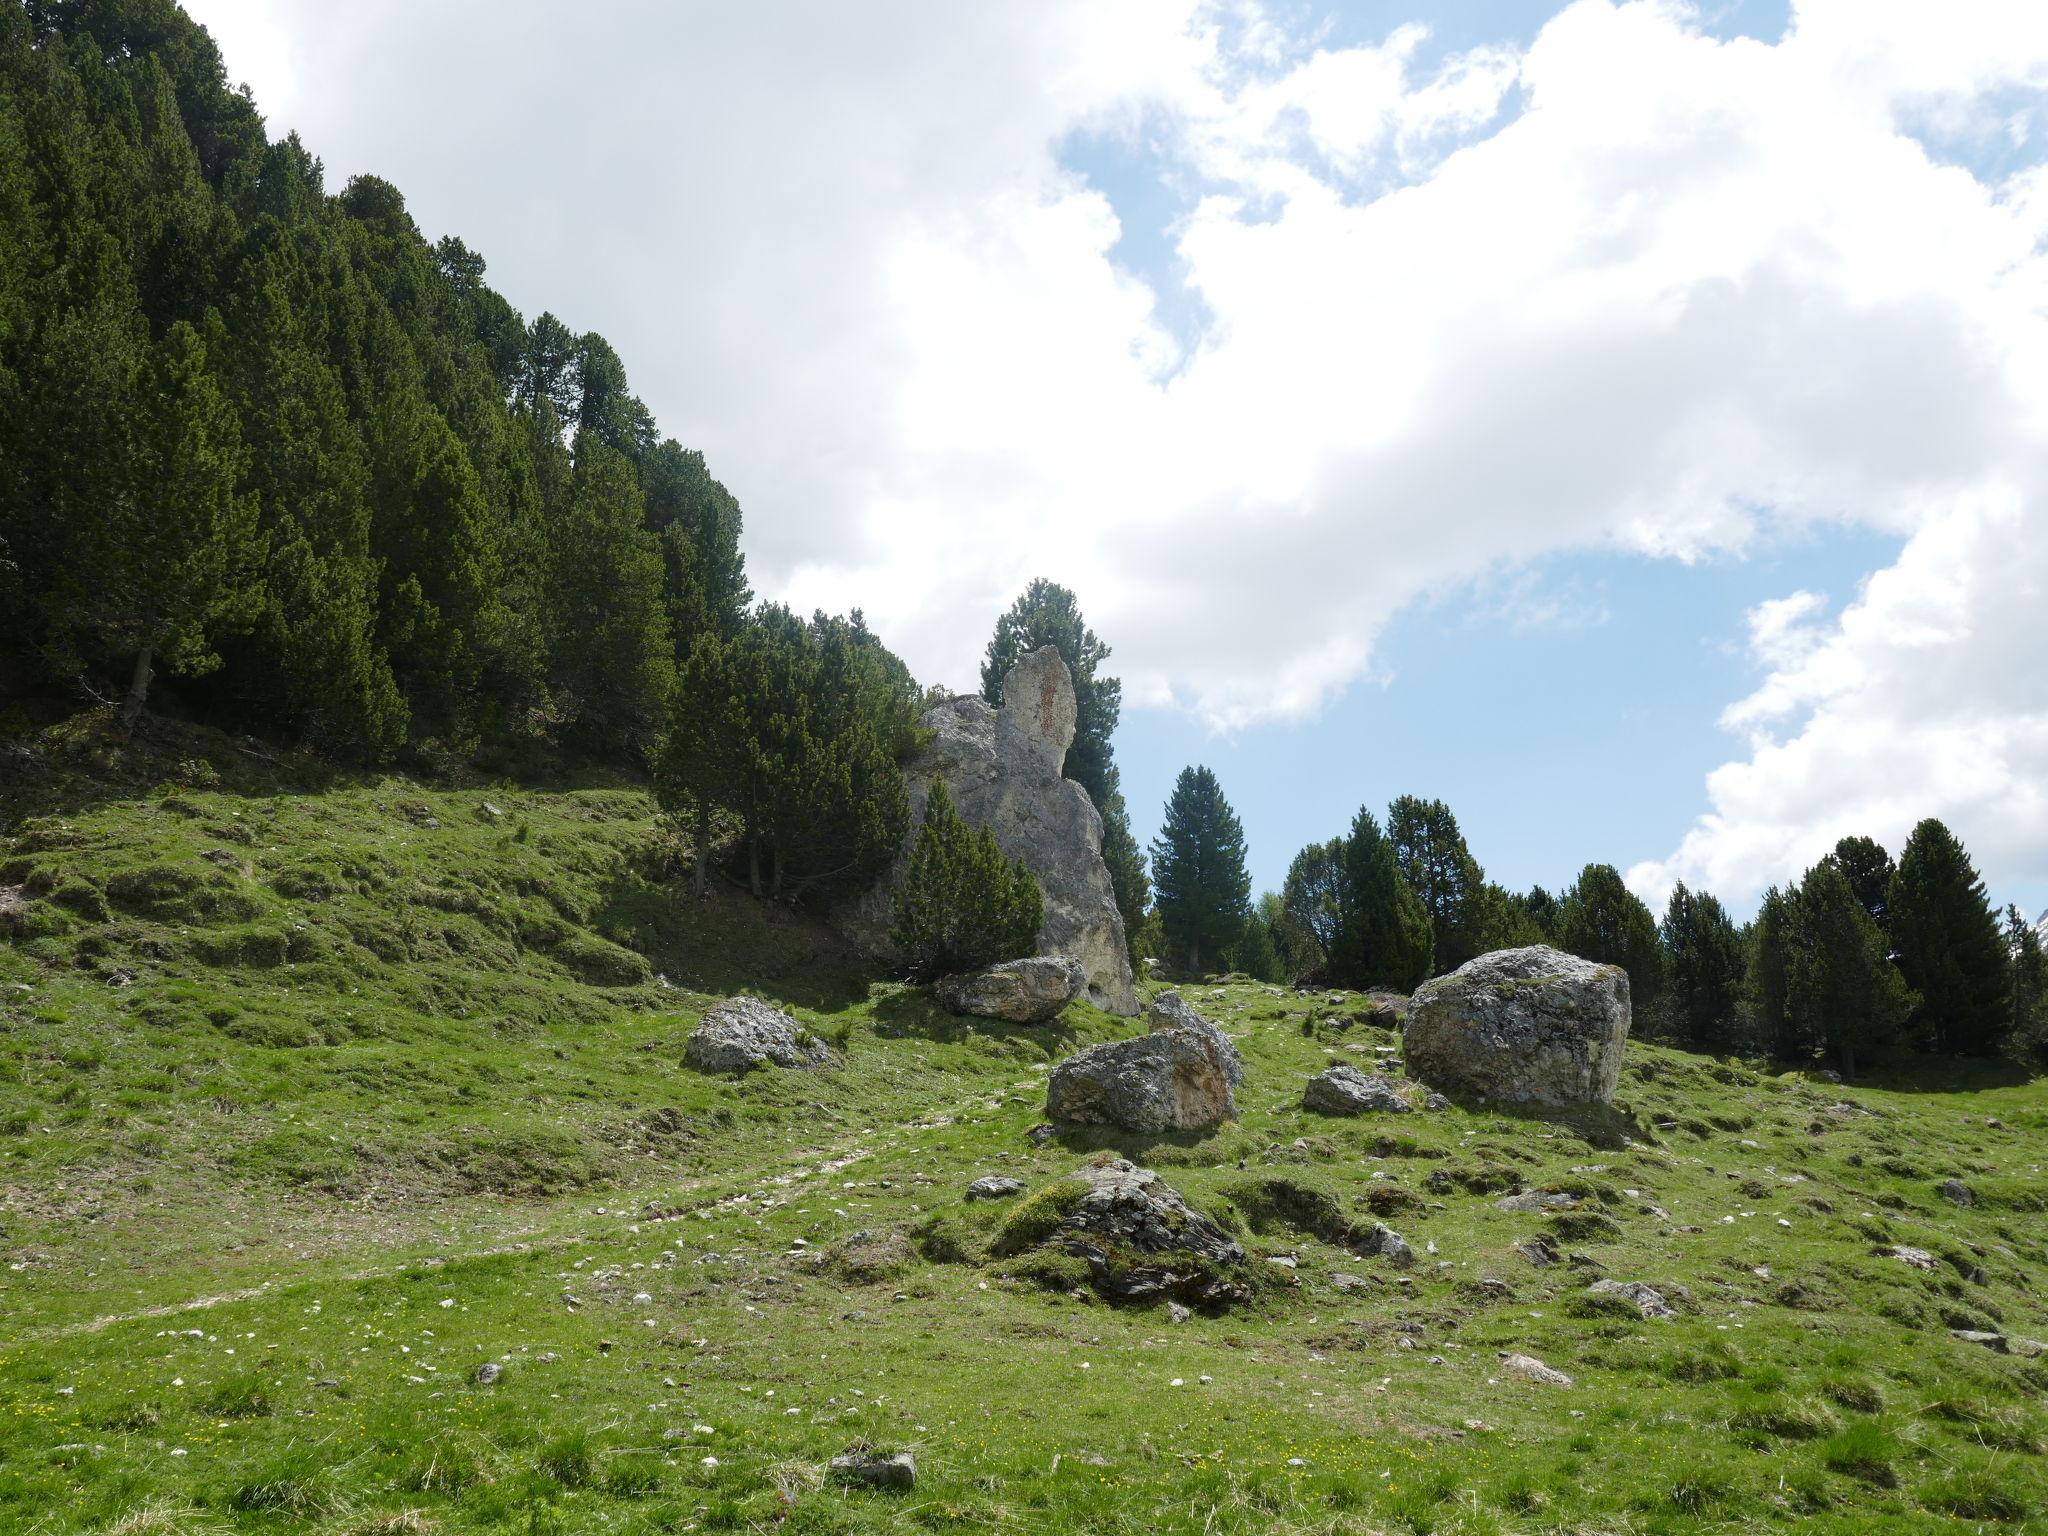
[1180, 1077]
[1031, 991]
[742, 1033]
[1531, 1025]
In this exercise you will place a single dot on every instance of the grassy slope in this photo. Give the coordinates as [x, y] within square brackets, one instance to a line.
[294, 1137]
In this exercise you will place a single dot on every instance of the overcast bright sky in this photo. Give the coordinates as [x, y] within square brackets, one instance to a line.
[1626, 421]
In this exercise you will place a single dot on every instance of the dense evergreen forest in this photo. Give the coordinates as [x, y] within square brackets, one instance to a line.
[261, 437]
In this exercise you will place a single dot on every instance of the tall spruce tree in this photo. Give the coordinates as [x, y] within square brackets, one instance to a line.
[1382, 936]
[1703, 960]
[1767, 957]
[1601, 919]
[1202, 888]
[1048, 614]
[962, 904]
[1949, 947]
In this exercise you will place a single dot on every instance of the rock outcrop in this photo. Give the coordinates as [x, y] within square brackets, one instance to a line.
[1530, 1025]
[1180, 1077]
[1141, 1239]
[1031, 991]
[742, 1033]
[1344, 1090]
[1002, 771]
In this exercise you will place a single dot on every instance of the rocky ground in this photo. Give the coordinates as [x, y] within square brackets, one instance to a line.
[353, 1178]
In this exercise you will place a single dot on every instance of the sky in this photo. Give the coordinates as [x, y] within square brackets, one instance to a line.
[1626, 421]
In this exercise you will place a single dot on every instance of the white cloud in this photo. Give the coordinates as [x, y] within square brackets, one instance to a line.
[1631, 288]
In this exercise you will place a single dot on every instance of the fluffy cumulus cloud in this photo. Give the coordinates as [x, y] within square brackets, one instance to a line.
[1629, 286]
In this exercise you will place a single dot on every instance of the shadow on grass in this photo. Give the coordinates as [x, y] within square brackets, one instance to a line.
[1606, 1126]
[911, 1013]
[729, 942]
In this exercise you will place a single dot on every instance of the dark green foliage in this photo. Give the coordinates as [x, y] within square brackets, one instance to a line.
[962, 904]
[1869, 870]
[1257, 953]
[268, 442]
[1602, 919]
[1703, 960]
[1313, 895]
[1201, 885]
[1048, 614]
[2029, 1037]
[1448, 881]
[1383, 934]
[1840, 994]
[1949, 947]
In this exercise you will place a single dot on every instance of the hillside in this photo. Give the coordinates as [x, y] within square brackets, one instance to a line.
[320, 1092]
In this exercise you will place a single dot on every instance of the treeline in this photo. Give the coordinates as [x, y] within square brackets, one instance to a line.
[268, 440]
[1861, 959]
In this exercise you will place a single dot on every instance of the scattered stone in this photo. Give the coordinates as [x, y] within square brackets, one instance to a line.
[1344, 1090]
[1180, 1077]
[1032, 991]
[873, 1469]
[488, 1373]
[994, 1187]
[1530, 1025]
[742, 1033]
[1387, 1244]
[1995, 1342]
[1648, 1300]
[1002, 770]
[1436, 1101]
[221, 857]
[1539, 1251]
[1530, 1201]
[1956, 1192]
[1919, 1258]
[1533, 1369]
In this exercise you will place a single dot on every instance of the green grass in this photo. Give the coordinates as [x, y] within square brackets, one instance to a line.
[294, 1139]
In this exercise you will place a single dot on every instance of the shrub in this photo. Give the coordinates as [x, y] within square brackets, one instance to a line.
[963, 905]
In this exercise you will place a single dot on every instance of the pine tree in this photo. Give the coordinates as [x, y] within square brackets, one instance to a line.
[1048, 614]
[1841, 991]
[1201, 886]
[1765, 980]
[1601, 919]
[1382, 936]
[1313, 893]
[701, 762]
[2028, 1040]
[1949, 947]
[1441, 871]
[962, 905]
[1869, 871]
[1256, 954]
[1703, 959]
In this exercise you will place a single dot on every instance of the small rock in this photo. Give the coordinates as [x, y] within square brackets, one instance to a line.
[1648, 1301]
[994, 1187]
[1030, 991]
[872, 1469]
[1956, 1192]
[1995, 1342]
[1530, 1201]
[1533, 1369]
[1918, 1258]
[742, 1033]
[488, 1373]
[1344, 1090]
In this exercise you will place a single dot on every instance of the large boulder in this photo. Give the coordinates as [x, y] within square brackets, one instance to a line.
[1002, 769]
[1179, 1077]
[1531, 1025]
[1022, 991]
[742, 1033]
[1139, 1237]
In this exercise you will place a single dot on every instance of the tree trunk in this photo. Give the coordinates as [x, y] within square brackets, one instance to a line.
[1194, 962]
[1848, 1063]
[138, 690]
[754, 863]
[775, 879]
[703, 848]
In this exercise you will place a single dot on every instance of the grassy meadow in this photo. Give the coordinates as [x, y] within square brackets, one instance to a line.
[318, 1094]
